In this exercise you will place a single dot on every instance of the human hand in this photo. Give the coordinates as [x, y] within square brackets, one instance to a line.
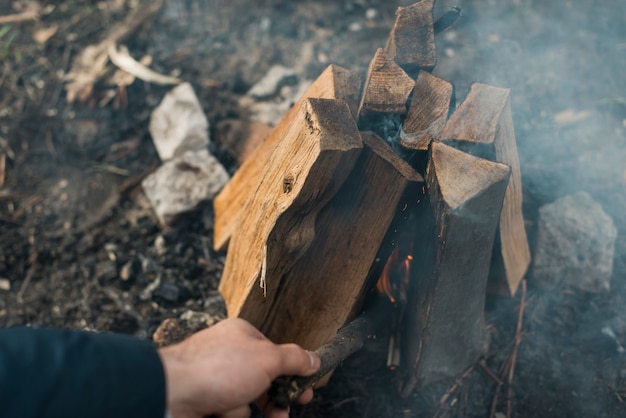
[222, 369]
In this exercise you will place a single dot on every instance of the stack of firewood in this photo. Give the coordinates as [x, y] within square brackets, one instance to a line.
[307, 218]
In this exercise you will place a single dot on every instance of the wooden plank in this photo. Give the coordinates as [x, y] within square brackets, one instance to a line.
[334, 83]
[309, 165]
[428, 111]
[444, 324]
[411, 42]
[483, 125]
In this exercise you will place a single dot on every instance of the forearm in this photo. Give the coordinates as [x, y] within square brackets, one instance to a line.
[45, 373]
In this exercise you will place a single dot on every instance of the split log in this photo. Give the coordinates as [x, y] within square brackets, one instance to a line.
[307, 168]
[444, 323]
[428, 112]
[482, 125]
[334, 83]
[387, 87]
[411, 42]
[349, 232]
[307, 298]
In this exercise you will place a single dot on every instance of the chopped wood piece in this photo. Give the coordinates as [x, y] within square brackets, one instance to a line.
[316, 298]
[428, 111]
[309, 296]
[483, 125]
[444, 323]
[411, 42]
[334, 83]
[309, 165]
[387, 87]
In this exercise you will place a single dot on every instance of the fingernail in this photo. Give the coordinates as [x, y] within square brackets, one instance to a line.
[314, 360]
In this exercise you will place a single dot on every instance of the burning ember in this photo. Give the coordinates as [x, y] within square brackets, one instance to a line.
[394, 279]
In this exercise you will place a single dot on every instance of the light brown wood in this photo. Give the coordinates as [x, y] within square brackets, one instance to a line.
[411, 42]
[334, 83]
[308, 166]
[444, 324]
[387, 87]
[309, 297]
[428, 111]
[349, 233]
[483, 125]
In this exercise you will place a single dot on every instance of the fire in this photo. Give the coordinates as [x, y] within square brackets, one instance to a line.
[394, 279]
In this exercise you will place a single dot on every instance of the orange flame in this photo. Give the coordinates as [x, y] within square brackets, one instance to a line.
[394, 279]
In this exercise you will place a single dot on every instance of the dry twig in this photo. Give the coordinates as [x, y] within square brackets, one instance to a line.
[508, 369]
[518, 340]
[32, 12]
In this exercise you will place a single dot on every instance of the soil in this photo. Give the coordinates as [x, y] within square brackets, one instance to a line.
[81, 247]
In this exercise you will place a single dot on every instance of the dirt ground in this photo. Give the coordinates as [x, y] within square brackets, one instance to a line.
[81, 247]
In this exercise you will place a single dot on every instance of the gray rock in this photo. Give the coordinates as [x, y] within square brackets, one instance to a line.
[272, 111]
[178, 124]
[168, 291]
[182, 183]
[198, 320]
[277, 77]
[575, 244]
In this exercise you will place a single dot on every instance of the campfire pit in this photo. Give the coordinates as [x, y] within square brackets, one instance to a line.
[387, 189]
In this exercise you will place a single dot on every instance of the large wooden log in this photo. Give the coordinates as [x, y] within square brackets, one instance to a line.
[411, 42]
[444, 323]
[308, 298]
[482, 125]
[334, 83]
[310, 164]
[428, 111]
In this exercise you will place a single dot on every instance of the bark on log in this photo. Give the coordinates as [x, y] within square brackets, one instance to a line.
[307, 168]
[334, 83]
[428, 111]
[482, 125]
[387, 87]
[411, 42]
[444, 323]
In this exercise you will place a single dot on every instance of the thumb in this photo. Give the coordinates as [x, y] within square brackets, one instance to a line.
[297, 361]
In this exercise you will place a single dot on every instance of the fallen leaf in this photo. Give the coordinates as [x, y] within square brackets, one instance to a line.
[122, 59]
[41, 36]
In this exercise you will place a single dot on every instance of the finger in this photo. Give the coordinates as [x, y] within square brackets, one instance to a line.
[296, 360]
[306, 397]
[240, 412]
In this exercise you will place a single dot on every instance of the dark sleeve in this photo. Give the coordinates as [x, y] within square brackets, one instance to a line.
[47, 373]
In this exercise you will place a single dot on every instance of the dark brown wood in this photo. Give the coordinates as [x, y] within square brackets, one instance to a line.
[307, 168]
[483, 126]
[309, 299]
[349, 339]
[411, 42]
[387, 87]
[428, 112]
[334, 83]
[444, 323]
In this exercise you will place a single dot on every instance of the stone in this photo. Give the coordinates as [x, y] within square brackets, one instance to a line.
[5, 284]
[198, 320]
[179, 124]
[167, 291]
[277, 77]
[182, 183]
[575, 245]
[169, 332]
